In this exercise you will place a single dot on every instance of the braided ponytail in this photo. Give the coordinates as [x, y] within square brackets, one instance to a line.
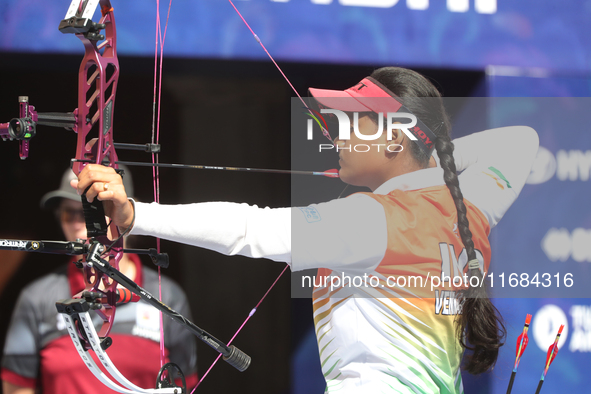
[480, 320]
[479, 326]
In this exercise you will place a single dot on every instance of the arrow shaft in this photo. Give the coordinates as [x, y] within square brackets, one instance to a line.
[540, 386]
[511, 382]
[223, 168]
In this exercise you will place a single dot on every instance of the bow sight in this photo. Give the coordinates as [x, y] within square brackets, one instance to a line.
[24, 128]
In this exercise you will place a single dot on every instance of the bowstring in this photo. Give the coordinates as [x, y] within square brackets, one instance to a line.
[324, 132]
[160, 38]
[252, 312]
[256, 37]
[156, 105]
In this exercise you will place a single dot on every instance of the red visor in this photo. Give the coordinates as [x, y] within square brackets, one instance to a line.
[367, 96]
[371, 96]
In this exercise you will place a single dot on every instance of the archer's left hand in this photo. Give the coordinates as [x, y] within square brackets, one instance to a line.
[104, 184]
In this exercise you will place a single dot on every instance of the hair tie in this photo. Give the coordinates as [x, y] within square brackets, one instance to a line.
[474, 264]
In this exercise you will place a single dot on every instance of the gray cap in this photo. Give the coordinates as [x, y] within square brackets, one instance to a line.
[51, 199]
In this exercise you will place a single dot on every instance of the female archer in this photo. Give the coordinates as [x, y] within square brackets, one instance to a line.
[420, 235]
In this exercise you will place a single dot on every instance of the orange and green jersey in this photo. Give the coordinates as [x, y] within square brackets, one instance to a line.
[401, 339]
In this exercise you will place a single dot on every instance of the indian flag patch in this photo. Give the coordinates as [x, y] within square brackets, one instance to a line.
[498, 176]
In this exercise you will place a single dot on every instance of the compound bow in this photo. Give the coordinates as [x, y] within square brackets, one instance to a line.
[97, 85]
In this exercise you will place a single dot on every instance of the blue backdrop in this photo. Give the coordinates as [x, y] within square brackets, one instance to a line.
[453, 33]
[548, 229]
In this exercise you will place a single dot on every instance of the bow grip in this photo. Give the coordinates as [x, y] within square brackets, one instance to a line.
[94, 216]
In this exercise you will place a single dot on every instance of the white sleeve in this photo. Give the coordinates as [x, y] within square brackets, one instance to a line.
[224, 227]
[346, 234]
[495, 165]
[349, 232]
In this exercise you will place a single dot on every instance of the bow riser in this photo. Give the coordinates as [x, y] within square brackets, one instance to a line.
[97, 86]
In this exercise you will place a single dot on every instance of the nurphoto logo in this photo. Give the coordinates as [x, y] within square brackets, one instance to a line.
[393, 122]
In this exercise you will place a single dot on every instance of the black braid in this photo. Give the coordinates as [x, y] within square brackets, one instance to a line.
[445, 150]
[485, 335]
[479, 320]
